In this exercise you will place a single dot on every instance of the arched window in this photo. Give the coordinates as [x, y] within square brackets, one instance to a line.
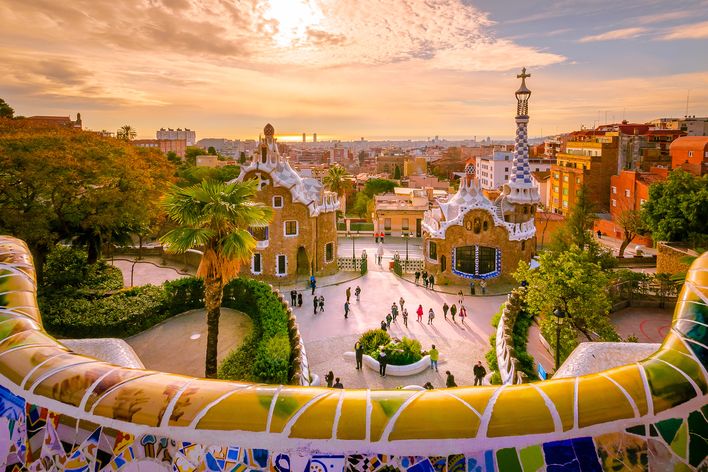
[476, 261]
[485, 225]
[477, 225]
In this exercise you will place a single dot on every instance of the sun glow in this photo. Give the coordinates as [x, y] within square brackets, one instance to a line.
[294, 18]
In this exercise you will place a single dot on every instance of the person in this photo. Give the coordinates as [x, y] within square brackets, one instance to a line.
[479, 373]
[425, 280]
[449, 383]
[431, 316]
[417, 276]
[431, 281]
[376, 237]
[463, 313]
[357, 292]
[321, 303]
[428, 386]
[383, 325]
[396, 257]
[524, 283]
[405, 317]
[460, 297]
[419, 312]
[472, 288]
[359, 352]
[453, 312]
[299, 299]
[382, 236]
[434, 356]
[599, 234]
[446, 307]
[349, 293]
[293, 298]
[483, 286]
[394, 311]
[382, 362]
[401, 302]
[316, 303]
[329, 378]
[379, 253]
[346, 309]
[337, 383]
[313, 284]
[388, 320]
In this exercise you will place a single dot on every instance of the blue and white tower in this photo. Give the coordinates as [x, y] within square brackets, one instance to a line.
[522, 187]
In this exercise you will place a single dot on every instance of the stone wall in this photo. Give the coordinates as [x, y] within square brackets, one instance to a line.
[669, 255]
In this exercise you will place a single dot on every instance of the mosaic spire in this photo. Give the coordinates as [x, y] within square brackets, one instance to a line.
[522, 187]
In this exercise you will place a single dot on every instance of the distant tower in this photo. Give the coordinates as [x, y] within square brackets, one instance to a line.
[521, 188]
[314, 137]
[303, 137]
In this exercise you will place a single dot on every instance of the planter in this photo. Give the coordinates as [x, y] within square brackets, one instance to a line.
[394, 370]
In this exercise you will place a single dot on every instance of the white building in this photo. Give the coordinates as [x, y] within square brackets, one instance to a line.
[174, 134]
[494, 171]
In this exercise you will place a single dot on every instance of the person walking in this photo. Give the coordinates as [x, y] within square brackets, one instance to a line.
[405, 317]
[346, 309]
[316, 303]
[479, 373]
[357, 292]
[376, 237]
[359, 353]
[453, 312]
[388, 320]
[383, 362]
[449, 382]
[431, 281]
[425, 280]
[383, 325]
[472, 287]
[401, 302]
[483, 286]
[419, 312]
[349, 293]
[337, 383]
[460, 297]
[434, 356]
[379, 253]
[329, 378]
[431, 316]
[293, 298]
[382, 237]
[313, 284]
[417, 276]
[299, 299]
[428, 386]
[321, 303]
[446, 307]
[394, 311]
[463, 313]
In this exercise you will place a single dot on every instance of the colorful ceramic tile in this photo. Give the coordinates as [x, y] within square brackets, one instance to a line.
[507, 459]
[531, 458]
[620, 451]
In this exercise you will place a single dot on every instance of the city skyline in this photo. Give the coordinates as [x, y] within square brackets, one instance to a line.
[403, 70]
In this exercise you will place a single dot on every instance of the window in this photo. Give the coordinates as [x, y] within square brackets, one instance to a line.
[485, 225]
[277, 201]
[565, 178]
[506, 169]
[690, 153]
[626, 192]
[506, 177]
[556, 176]
[432, 251]
[565, 191]
[614, 190]
[577, 180]
[614, 202]
[387, 224]
[256, 263]
[281, 265]
[329, 252]
[487, 260]
[290, 228]
[404, 224]
[477, 261]
[565, 203]
[464, 259]
[555, 188]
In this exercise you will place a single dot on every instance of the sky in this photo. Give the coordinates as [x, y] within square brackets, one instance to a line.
[347, 69]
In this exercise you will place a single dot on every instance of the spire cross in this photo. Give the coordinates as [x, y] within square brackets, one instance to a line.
[523, 74]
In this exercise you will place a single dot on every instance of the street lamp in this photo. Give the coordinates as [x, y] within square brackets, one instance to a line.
[406, 236]
[560, 317]
[350, 235]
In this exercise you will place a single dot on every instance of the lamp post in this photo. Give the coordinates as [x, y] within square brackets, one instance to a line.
[350, 235]
[560, 317]
[406, 236]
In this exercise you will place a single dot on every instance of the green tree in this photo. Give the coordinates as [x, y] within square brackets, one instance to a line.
[362, 202]
[211, 150]
[677, 209]
[174, 158]
[397, 173]
[126, 133]
[362, 157]
[336, 181]
[191, 153]
[215, 217]
[632, 225]
[242, 158]
[377, 186]
[6, 110]
[578, 227]
[193, 175]
[575, 283]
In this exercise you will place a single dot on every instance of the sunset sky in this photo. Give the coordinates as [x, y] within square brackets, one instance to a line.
[353, 68]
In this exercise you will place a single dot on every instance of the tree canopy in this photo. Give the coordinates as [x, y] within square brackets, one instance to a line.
[126, 133]
[193, 175]
[6, 111]
[677, 209]
[336, 179]
[377, 186]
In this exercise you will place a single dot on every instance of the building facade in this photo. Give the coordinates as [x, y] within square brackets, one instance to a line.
[178, 146]
[301, 240]
[690, 153]
[189, 136]
[470, 237]
[401, 212]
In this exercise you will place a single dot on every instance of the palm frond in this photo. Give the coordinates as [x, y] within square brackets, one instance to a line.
[238, 245]
[180, 240]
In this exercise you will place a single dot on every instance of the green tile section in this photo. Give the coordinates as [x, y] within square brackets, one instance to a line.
[697, 438]
[532, 458]
[508, 461]
[639, 430]
[667, 429]
[678, 445]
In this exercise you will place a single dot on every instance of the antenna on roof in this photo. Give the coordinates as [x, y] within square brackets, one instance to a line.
[688, 94]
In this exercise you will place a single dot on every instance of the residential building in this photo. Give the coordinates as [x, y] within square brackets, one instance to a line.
[187, 134]
[494, 171]
[690, 153]
[64, 121]
[693, 126]
[387, 164]
[400, 213]
[210, 160]
[418, 166]
[422, 181]
[302, 237]
[178, 146]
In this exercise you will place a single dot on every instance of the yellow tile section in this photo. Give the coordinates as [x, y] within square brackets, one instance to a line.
[383, 406]
[435, 415]
[62, 361]
[685, 364]
[16, 364]
[668, 387]
[672, 341]
[352, 419]
[16, 325]
[141, 401]
[613, 406]
[317, 421]
[195, 398]
[247, 408]
[561, 392]
[111, 380]
[478, 397]
[518, 411]
[289, 401]
[70, 385]
[630, 379]
[26, 338]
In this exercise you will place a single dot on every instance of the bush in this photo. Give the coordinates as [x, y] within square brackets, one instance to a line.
[403, 352]
[397, 269]
[273, 360]
[495, 378]
[364, 266]
[372, 339]
[66, 270]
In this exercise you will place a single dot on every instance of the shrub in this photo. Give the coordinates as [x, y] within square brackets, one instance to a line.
[364, 266]
[66, 270]
[495, 378]
[372, 339]
[397, 269]
[272, 360]
[403, 352]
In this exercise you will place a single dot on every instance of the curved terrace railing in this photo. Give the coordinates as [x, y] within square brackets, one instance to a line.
[506, 357]
[67, 411]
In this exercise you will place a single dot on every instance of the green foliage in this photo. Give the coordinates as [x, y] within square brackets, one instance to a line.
[242, 158]
[191, 153]
[495, 378]
[403, 352]
[377, 186]
[397, 269]
[497, 316]
[272, 360]
[362, 202]
[336, 180]
[677, 209]
[173, 157]
[6, 110]
[126, 133]
[578, 227]
[66, 270]
[361, 226]
[397, 173]
[211, 150]
[372, 339]
[189, 175]
[364, 266]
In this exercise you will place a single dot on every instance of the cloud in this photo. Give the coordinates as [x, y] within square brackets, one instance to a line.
[687, 31]
[624, 33]
[663, 17]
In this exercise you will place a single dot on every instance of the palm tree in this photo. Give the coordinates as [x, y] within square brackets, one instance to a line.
[215, 217]
[126, 133]
[336, 181]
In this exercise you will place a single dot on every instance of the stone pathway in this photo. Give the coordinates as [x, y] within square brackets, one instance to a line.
[649, 324]
[147, 271]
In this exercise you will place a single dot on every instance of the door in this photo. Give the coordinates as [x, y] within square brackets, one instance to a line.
[418, 230]
[303, 263]
[443, 263]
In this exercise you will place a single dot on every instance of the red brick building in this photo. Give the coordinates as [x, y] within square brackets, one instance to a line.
[690, 153]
